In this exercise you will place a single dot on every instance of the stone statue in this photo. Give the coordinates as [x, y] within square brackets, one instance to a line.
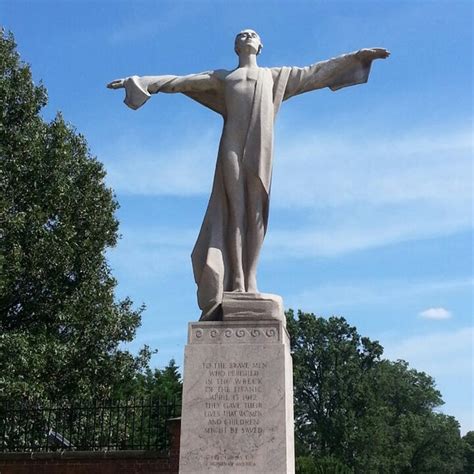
[248, 98]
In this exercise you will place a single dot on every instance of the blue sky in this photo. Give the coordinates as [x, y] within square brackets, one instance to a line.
[371, 213]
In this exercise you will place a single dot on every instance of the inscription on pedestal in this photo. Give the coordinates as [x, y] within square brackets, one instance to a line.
[236, 401]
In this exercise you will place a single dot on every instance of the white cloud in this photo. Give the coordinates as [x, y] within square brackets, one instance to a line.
[436, 313]
[447, 353]
[359, 193]
[311, 169]
[364, 228]
[321, 169]
[183, 170]
[154, 252]
[355, 193]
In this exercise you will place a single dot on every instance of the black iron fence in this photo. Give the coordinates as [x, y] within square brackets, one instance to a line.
[138, 424]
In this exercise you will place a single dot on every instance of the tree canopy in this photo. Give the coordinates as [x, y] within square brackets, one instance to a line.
[363, 413]
[468, 440]
[61, 328]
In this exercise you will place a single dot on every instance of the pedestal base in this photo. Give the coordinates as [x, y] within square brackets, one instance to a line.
[252, 306]
[238, 399]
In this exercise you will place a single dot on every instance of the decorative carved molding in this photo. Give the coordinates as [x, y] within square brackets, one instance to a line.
[222, 333]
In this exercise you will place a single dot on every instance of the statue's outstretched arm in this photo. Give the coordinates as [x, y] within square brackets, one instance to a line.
[153, 84]
[139, 88]
[342, 71]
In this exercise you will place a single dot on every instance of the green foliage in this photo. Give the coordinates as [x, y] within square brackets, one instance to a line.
[163, 383]
[370, 414]
[468, 445]
[324, 465]
[60, 326]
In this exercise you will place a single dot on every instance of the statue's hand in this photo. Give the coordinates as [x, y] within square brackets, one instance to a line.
[369, 54]
[117, 84]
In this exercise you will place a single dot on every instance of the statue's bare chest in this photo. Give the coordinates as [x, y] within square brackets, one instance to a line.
[240, 83]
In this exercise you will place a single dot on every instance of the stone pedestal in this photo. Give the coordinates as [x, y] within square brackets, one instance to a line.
[238, 392]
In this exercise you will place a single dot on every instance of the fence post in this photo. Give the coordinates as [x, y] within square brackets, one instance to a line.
[174, 429]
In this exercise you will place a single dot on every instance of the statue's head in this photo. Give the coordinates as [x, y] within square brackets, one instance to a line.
[249, 39]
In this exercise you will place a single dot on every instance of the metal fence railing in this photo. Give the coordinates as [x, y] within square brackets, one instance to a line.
[138, 424]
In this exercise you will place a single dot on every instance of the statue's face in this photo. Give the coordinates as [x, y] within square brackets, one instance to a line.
[248, 39]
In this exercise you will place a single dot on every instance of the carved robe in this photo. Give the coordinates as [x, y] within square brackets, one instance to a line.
[273, 85]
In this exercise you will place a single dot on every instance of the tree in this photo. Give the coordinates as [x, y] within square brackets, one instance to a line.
[60, 326]
[468, 440]
[156, 383]
[355, 410]
[166, 382]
